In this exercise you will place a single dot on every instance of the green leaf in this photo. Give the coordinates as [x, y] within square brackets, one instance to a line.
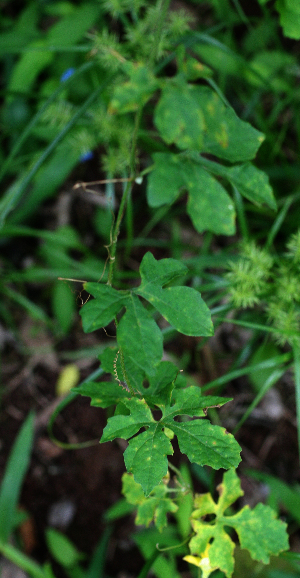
[62, 549]
[206, 444]
[130, 95]
[17, 465]
[251, 182]
[160, 272]
[139, 337]
[189, 401]
[182, 307]
[195, 118]
[108, 358]
[177, 118]
[185, 502]
[158, 388]
[146, 458]
[166, 180]
[63, 305]
[67, 32]
[103, 394]
[258, 530]
[100, 311]
[173, 173]
[289, 11]
[121, 426]
[161, 384]
[154, 508]
[226, 136]
[205, 194]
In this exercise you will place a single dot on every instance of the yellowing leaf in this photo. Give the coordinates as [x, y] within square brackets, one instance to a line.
[258, 530]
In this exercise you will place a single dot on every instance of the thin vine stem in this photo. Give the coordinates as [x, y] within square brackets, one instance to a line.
[163, 6]
[125, 196]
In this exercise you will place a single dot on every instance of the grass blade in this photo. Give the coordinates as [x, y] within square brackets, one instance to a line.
[17, 465]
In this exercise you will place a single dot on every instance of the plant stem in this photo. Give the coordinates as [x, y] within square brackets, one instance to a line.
[163, 6]
[127, 191]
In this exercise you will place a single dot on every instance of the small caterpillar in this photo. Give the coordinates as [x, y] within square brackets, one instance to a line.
[123, 384]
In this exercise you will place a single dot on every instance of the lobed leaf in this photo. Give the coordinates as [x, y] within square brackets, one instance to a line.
[145, 455]
[189, 401]
[146, 458]
[252, 184]
[173, 173]
[260, 532]
[257, 529]
[182, 307]
[125, 426]
[153, 508]
[160, 272]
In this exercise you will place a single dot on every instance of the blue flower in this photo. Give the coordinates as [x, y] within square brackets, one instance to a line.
[66, 74]
[86, 156]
